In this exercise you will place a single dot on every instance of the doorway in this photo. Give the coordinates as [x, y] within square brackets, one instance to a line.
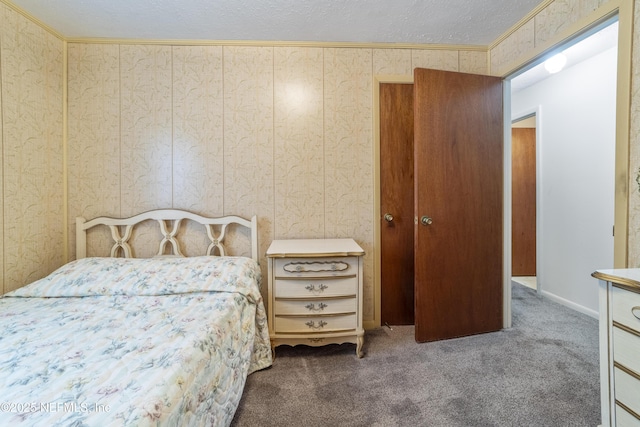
[396, 203]
[458, 151]
[577, 167]
[524, 195]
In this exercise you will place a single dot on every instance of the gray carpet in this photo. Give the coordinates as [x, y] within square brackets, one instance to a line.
[541, 372]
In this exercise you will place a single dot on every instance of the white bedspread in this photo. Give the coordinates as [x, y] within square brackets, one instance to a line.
[134, 342]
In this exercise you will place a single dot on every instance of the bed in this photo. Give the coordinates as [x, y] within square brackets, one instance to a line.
[166, 340]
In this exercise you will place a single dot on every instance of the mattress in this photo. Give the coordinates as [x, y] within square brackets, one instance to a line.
[115, 341]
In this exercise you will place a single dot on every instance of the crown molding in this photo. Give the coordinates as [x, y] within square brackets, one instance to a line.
[32, 18]
[520, 23]
[276, 43]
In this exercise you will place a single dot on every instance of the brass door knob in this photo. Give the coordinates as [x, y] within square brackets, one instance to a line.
[425, 220]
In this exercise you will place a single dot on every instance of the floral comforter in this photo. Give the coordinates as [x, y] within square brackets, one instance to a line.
[132, 342]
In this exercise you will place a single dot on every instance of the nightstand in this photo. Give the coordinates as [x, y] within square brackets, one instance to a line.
[315, 292]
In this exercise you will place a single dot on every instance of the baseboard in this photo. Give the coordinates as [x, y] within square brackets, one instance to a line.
[572, 305]
[372, 324]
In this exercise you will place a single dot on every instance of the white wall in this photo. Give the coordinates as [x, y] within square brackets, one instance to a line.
[576, 177]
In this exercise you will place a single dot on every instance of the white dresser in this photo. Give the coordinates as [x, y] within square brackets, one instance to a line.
[620, 346]
[315, 292]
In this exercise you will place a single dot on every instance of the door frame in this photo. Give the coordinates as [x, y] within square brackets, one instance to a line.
[624, 10]
[537, 113]
[377, 260]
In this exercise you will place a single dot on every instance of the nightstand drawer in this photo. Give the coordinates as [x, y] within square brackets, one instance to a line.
[626, 308]
[316, 287]
[625, 419]
[626, 349]
[315, 324]
[626, 389]
[316, 306]
[316, 267]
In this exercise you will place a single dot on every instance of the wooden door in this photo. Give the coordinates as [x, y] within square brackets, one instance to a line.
[396, 200]
[458, 169]
[523, 196]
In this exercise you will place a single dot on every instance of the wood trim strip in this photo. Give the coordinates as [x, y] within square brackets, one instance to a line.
[626, 370]
[33, 19]
[629, 410]
[619, 282]
[315, 255]
[528, 17]
[626, 328]
[635, 289]
[315, 298]
[347, 276]
[325, 332]
[304, 316]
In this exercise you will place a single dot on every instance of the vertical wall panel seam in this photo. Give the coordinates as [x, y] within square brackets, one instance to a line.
[222, 49]
[324, 144]
[65, 151]
[2, 142]
[120, 128]
[273, 140]
[173, 134]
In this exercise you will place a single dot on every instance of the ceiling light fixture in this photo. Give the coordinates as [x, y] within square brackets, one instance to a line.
[555, 63]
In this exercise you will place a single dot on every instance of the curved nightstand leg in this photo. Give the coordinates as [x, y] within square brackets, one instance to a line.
[359, 352]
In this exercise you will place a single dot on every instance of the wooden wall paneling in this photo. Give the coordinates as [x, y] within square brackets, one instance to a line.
[198, 132]
[146, 134]
[298, 143]
[392, 61]
[248, 138]
[32, 102]
[349, 153]
[93, 141]
[198, 129]
[447, 60]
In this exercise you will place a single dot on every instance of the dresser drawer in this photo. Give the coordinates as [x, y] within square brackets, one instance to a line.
[626, 349]
[625, 419]
[316, 287]
[315, 324]
[315, 306]
[626, 307]
[316, 267]
[627, 389]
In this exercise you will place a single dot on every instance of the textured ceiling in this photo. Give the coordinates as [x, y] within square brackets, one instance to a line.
[461, 22]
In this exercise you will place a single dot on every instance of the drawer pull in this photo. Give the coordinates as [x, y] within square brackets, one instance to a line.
[315, 266]
[312, 307]
[636, 311]
[312, 324]
[312, 288]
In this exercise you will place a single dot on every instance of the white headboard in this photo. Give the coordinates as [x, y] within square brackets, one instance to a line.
[121, 241]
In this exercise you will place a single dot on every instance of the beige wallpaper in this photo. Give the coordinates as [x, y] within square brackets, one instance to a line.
[32, 157]
[284, 133]
[554, 18]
